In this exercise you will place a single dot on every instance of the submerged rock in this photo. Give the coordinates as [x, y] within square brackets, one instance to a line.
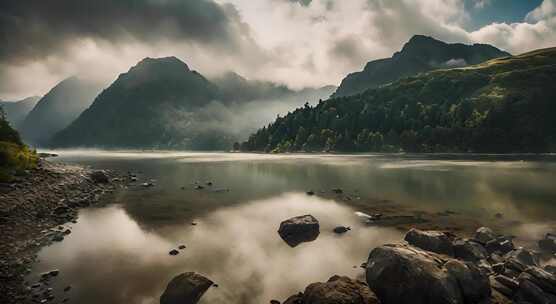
[186, 288]
[337, 290]
[426, 277]
[299, 229]
[434, 241]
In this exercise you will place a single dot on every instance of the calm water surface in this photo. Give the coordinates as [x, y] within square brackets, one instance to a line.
[119, 253]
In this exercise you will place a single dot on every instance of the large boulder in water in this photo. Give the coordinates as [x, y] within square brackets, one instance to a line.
[299, 229]
[434, 241]
[337, 290]
[405, 274]
[186, 288]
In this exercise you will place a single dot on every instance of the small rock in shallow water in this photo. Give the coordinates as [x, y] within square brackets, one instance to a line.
[310, 193]
[181, 247]
[67, 288]
[173, 252]
[337, 190]
[341, 229]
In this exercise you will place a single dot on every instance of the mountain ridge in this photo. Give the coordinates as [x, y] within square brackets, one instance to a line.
[503, 105]
[16, 111]
[420, 54]
[59, 107]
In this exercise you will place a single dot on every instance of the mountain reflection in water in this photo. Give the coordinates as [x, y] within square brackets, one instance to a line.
[119, 253]
[110, 258]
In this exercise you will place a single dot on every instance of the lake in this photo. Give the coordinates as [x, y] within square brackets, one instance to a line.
[119, 253]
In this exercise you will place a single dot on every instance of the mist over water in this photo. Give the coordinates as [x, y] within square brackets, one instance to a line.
[119, 253]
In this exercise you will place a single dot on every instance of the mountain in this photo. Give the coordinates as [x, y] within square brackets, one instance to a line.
[57, 109]
[503, 105]
[149, 106]
[419, 54]
[16, 111]
[161, 103]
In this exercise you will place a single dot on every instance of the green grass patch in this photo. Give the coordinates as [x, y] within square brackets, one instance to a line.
[15, 159]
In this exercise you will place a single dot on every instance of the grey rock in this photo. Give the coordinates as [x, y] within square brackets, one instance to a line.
[469, 250]
[426, 277]
[499, 268]
[542, 278]
[508, 282]
[474, 285]
[186, 288]
[434, 241]
[531, 293]
[548, 243]
[494, 284]
[550, 268]
[499, 246]
[299, 229]
[99, 177]
[484, 234]
[520, 259]
[337, 290]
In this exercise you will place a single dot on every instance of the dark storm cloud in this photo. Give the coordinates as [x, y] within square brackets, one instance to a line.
[31, 29]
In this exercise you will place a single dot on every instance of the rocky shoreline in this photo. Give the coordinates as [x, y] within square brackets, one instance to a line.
[35, 210]
[428, 267]
[434, 267]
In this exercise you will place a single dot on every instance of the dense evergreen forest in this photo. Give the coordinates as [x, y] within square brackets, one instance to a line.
[503, 105]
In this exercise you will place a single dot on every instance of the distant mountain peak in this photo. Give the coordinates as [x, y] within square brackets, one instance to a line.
[170, 61]
[420, 54]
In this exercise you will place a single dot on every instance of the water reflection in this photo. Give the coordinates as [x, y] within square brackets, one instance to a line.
[109, 258]
[120, 254]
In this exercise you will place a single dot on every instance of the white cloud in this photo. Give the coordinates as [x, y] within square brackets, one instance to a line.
[299, 45]
[546, 10]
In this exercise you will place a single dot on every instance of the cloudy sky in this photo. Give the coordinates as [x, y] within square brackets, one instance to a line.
[296, 42]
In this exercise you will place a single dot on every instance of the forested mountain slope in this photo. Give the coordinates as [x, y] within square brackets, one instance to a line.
[503, 105]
